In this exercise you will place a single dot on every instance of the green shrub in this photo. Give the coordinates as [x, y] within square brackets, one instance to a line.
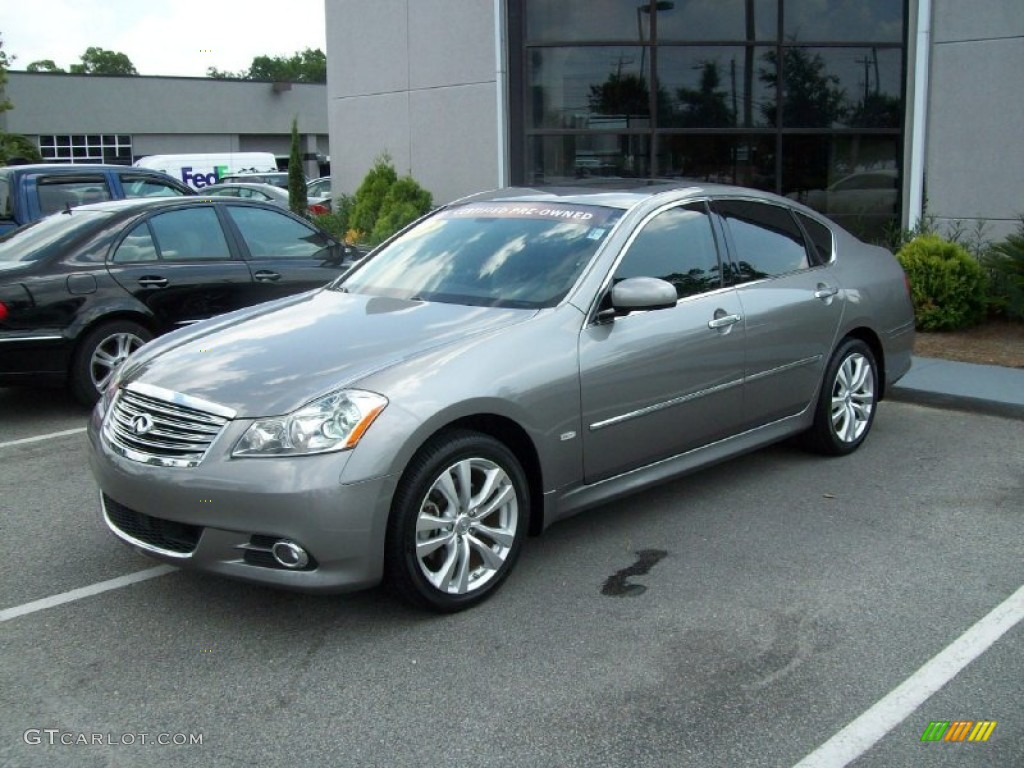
[1005, 264]
[335, 223]
[405, 202]
[948, 287]
[371, 193]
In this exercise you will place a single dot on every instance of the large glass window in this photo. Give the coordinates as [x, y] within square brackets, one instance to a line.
[786, 96]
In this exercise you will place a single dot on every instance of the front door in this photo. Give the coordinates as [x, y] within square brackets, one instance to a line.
[655, 384]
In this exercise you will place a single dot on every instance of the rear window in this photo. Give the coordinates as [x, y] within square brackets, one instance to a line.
[57, 193]
[48, 236]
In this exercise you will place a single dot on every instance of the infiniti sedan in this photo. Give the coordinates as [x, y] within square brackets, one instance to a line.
[507, 361]
[82, 289]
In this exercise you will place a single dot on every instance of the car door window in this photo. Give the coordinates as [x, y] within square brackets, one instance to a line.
[821, 237]
[678, 246]
[270, 234]
[190, 234]
[765, 238]
[137, 246]
[146, 186]
[58, 192]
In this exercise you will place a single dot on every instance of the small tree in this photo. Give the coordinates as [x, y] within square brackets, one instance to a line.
[405, 202]
[371, 193]
[298, 200]
[13, 146]
[99, 61]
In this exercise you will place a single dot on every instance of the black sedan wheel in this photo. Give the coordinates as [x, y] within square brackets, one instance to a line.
[100, 354]
[457, 522]
[848, 400]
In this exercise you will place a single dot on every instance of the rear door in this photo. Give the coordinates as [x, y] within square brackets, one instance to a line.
[658, 383]
[792, 305]
[285, 255]
[180, 265]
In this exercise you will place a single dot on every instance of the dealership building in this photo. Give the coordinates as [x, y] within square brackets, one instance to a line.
[873, 111]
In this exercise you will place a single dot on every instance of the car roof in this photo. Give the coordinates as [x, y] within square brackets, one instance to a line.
[247, 185]
[622, 193]
[134, 204]
[77, 168]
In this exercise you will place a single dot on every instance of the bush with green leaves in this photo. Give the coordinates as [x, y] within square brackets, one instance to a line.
[335, 223]
[1004, 262]
[948, 287]
[371, 193]
[405, 202]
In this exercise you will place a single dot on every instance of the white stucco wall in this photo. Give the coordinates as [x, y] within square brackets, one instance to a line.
[416, 79]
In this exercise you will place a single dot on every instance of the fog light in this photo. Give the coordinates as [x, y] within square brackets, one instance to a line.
[289, 555]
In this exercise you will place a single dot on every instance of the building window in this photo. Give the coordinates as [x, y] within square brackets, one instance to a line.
[87, 148]
[774, 94]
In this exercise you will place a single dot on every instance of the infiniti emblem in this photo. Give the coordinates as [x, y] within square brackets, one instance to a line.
[141, 424]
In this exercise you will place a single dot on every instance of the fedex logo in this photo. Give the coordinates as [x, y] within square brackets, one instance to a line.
[200, 179]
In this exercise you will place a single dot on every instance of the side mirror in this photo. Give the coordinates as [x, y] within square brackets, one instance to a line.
[637, 294]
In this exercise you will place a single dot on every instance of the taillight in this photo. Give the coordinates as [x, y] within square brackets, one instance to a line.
[3, 312]
[318, 210]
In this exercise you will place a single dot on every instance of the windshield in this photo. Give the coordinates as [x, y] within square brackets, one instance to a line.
[52, 234]
[524, 255]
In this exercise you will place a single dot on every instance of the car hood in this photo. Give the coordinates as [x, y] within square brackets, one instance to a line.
[272, 361]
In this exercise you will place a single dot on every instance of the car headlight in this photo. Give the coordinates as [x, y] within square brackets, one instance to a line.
[332, 423]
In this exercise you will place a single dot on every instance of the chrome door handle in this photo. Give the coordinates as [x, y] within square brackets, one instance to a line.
[723, 321]
[153, 282]
[825, 291]
[266, 276]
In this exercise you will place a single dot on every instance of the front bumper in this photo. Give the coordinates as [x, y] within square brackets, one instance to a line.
[222, 515]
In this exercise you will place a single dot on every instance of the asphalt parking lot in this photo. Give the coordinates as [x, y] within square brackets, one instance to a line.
[743, 616]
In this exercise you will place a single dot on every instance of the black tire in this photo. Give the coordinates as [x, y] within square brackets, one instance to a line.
[472, 547]
[847, 403]
[99, 354]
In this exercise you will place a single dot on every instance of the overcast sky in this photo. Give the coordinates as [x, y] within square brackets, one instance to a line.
[161, 37]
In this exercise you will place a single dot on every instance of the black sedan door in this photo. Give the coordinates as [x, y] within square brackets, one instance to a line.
[179, 264]
[286, 255]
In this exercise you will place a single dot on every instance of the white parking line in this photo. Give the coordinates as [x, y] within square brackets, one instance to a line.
[77, 594]
[37, 438]
[868, 729]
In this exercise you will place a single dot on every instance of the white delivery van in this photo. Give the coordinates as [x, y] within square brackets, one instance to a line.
[202, 170]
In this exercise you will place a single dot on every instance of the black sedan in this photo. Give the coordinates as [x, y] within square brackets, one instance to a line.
[82, 289]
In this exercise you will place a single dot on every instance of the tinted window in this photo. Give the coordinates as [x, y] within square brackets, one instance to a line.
[765, 239]
[678, 246]
[270, 234]
[138, 245]
[45, 237]
[58, 192]
[146, 186]
[821, 237]
[189, 234]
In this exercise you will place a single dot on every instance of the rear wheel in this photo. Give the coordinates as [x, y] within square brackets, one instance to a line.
[100, 353]
[457, 522]
[846, 406]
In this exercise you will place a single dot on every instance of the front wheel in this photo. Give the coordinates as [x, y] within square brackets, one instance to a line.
[457, 522]
[99, 355]
[846, 406]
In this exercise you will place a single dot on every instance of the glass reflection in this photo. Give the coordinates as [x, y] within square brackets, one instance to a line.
[727, 159]
[711, 87]
[566, 158]
[719, 20]
[854, 180]
[844, 21]
[584, 88]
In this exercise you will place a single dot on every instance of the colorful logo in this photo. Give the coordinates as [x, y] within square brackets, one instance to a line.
[958, 730]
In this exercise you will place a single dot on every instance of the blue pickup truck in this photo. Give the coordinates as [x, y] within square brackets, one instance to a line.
[29, 192]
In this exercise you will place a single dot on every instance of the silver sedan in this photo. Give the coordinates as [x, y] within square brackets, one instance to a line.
[507, 361]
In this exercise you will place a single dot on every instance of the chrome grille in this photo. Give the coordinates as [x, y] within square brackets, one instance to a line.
[156, 426]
